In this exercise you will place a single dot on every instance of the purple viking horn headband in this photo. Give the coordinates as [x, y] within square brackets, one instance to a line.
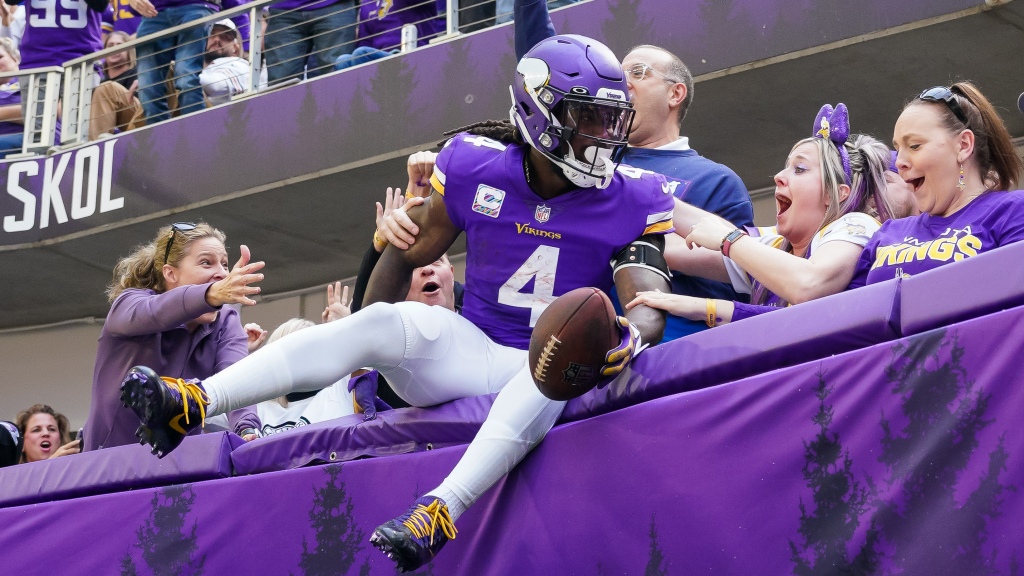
[834, 125]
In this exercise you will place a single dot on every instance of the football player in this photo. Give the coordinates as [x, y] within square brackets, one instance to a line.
[543, 213]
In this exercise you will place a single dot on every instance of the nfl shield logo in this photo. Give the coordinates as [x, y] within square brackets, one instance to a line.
[543, 214]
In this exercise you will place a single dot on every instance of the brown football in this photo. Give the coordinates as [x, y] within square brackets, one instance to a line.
[569, 343]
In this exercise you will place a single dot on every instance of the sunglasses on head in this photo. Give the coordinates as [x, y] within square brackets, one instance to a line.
[177, 227]
[945, 96]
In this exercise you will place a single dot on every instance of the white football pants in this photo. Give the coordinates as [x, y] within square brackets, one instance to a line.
[429, 355]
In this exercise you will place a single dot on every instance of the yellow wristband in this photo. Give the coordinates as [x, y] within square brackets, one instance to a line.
[378, 240]
[712, 310]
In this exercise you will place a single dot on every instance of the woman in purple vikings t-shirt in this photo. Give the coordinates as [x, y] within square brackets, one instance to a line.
[830, 198]
[955, 152]
[167, 311]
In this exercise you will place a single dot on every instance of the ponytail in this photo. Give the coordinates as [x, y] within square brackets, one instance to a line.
[869, 160]
[997, 159]
[138, 270]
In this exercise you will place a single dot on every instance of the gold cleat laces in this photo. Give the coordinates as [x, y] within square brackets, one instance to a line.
[187, 390]
[426, 519]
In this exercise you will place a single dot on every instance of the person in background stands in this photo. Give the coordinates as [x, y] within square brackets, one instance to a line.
[55, 33]
[12, 120]
[12, 22]
[380, 28]
[115, 107]
[317, 31]
[226, 73]
[45, 433]
[185, 49]
[120, 17]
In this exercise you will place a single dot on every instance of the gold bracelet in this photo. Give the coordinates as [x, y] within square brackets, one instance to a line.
[378, 241]
[712, 313]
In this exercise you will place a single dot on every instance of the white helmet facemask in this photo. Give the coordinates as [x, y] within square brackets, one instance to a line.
[599, 157]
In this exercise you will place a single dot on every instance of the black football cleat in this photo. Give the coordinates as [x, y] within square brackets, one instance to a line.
[168, 408]
[414, 538]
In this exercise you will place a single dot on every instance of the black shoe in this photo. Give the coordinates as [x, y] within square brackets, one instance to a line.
[169, 408]
[414, 538]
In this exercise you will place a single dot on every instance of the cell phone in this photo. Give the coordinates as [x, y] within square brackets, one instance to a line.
[81, 439]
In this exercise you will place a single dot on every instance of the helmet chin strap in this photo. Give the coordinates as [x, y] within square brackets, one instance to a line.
[600, 158]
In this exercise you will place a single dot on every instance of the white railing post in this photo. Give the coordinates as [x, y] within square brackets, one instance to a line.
[40, 109]
[452, 13]
[255, 47]
[78, 85]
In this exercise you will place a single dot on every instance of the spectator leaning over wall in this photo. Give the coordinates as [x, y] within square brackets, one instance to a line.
[168, 309]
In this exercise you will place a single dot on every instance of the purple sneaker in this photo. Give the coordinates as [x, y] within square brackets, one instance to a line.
[414, 538]
[168, 408]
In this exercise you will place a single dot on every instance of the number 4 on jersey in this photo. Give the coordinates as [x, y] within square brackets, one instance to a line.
[539, 267]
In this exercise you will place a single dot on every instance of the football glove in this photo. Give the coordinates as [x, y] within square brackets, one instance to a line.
[364, 391]
[619, 357]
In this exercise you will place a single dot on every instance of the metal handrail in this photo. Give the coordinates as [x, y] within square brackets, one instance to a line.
[255, 5]
[79, 78]
[28, 71]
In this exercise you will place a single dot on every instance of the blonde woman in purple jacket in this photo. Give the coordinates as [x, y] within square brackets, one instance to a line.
[168, 311]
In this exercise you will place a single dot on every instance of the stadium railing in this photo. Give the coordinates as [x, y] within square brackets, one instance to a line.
[40, 89]
[81, 75]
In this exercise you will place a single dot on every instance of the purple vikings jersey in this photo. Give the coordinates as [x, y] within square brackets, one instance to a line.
[121, 17]
[57, 31]
[524, 251]
[910, 246]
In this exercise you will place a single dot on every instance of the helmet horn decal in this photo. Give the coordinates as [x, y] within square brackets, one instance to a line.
[570, 102]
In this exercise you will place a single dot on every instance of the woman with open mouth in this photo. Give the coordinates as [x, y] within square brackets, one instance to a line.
[954, 151]
[830, 198]
[45, 433]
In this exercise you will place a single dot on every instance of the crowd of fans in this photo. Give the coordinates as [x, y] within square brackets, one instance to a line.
[206, 65]
[850, 212]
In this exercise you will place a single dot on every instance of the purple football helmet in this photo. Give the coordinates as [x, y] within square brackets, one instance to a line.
[570, 101]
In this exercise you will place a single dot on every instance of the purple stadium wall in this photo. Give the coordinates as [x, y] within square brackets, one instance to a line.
[901, 458]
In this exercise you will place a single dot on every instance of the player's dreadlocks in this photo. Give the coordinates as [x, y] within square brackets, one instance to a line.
[503, 131]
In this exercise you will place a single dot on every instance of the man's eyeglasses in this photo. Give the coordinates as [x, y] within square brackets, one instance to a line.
[945, 96]
[639, 72]
[177, 227]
